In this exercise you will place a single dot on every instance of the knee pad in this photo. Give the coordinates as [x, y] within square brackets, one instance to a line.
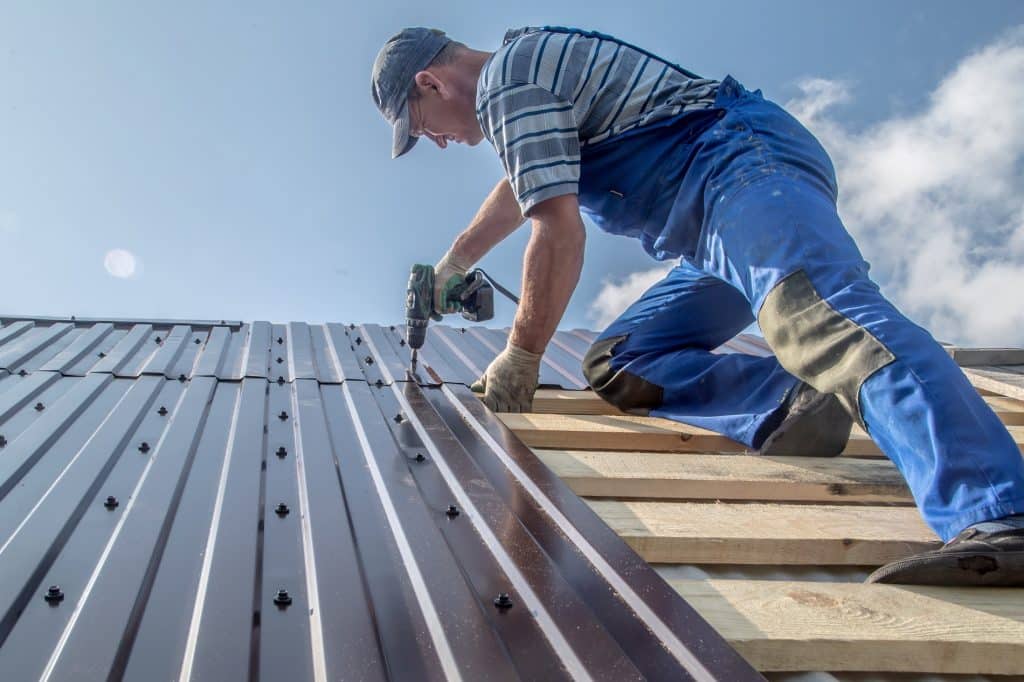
[818, 344]
[624, 390]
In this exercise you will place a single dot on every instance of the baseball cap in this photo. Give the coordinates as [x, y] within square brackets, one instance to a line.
[397, 63]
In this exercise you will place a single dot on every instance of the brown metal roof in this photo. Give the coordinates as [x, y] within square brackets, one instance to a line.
[198, 501]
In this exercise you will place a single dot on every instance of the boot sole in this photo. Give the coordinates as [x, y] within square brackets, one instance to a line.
[955, 569]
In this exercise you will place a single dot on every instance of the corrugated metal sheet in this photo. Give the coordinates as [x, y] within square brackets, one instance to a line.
[279, 502]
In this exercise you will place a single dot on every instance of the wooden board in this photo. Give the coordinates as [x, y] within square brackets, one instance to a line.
[974, 357]
[730, 533]
[997, 380]
[663, 475]
[808, 626]
[561, 401]
[624, 432]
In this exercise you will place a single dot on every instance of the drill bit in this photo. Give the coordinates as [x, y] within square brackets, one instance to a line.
[414, 356]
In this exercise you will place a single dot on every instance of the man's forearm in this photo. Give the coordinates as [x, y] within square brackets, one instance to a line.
[498, 217]
[551, 270]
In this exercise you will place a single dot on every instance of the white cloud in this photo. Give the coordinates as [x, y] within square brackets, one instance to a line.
[120, 263]
[616, 295]
[935, 198]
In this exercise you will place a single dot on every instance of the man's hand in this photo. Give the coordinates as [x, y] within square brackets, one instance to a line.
[510, 380]
[448, 274]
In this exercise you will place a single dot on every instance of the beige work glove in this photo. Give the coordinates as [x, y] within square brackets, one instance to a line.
[509, 382]
[448, 274]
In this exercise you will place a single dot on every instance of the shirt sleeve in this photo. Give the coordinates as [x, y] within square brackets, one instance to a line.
[535, 134]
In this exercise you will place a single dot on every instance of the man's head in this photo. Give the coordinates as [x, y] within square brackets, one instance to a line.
[424, 83]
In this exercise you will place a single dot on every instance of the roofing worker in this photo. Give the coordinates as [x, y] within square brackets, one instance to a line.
[712, 175]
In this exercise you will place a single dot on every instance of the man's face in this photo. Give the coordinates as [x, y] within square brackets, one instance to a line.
[443, 115]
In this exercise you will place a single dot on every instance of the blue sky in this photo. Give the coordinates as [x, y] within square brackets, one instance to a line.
[233, 147]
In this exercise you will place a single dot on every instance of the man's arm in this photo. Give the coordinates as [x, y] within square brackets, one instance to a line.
[498, 217]
[551, 270]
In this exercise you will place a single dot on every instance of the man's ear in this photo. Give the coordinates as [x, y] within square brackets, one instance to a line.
[427, 81]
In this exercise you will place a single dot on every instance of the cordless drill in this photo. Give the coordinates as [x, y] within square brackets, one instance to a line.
[474, 298]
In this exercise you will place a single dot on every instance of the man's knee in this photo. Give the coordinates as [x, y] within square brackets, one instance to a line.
[624, 390]
[818, 344]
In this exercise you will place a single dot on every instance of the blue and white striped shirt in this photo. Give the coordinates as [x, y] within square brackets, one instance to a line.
[546, 94]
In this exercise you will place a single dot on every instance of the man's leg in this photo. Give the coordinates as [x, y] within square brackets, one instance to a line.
[656, 358]
[776, 235]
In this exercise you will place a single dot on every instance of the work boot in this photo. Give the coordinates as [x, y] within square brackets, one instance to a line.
[985, 554]
[816, 425]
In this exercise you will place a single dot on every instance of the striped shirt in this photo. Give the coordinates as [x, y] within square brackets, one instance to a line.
[546, 94]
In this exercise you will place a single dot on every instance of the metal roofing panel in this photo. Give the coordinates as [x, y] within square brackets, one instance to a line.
[321, 526]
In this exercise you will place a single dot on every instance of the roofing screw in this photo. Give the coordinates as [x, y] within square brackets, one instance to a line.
[22, 373]
[463, 330]
[452, 512]
[54, 594]
[399, 418]
[359, 340]
[3, 442]
[280, 340]
[280, 380]
[401, 342]
[503, 601]
[158, 339]
[162, 411]
[282, 509]
[283, 415]
[144, 448]
[351, 326]
[111, 503]
[197, 341]
[181, 378]
[369, 359]
[279, 360]
[419, 457]
[40, 407]
[283, 598]
[378, 383]
[281, 452]
[101, 354]
[392, 327]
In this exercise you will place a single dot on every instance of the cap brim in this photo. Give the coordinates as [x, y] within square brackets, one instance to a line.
[402, 142]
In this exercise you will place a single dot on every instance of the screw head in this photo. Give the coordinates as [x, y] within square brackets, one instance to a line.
[503, 601]
[452, 511]
[111, 502]
[280, 340]
[392, 327]
[359, 340]
[144, 448]
[282, 509]
[283, 415]
[280, 380]
[40, 407]
[281, 452]
[419, 457]
[159, 340]
[378, 383]
[22, 373]
[3, 442]
[197, 341]
[399, 418]
[54, 594]
[283, 598]
[279, 359]
[162, 411]
[401, 342]
[181, 378]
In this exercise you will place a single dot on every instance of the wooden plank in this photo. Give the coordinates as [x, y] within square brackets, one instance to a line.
[663, 475]
[624, 432]
[560, 401]
[730, 533]
[974, 357]
[1009, 384]
[806, 626]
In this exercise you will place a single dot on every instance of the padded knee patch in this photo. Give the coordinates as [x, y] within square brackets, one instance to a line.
[819, 345]
[624, 390]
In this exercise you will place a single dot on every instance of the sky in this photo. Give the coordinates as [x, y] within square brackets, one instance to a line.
[224, 160]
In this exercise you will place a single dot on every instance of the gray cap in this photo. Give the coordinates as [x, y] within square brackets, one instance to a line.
[397, 63]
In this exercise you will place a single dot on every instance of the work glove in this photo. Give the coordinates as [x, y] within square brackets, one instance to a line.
[510, 380]
[449, 273]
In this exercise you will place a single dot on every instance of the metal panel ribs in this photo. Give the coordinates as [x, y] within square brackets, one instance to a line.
[324, 517]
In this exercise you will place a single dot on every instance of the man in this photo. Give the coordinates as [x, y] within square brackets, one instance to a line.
[732, 186]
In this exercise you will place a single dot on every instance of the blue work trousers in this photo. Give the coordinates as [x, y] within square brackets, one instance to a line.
[753, 201]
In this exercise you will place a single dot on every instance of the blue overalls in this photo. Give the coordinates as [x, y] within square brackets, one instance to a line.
[746, 197]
